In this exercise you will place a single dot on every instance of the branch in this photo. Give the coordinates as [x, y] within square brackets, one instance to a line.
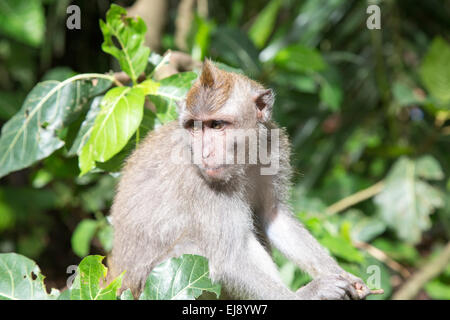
[429, 271]
[355, 198]
[383, 257]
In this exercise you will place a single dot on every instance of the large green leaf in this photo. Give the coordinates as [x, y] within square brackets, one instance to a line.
[21, 278]
[176, 86]
[407, 200]
[168, 91]
[23, 20]
[435, 70]
[183, 278]
[85, 130]
[261, 29]
[120, 115]
[129, 34]
[87, 284]
[31, 134]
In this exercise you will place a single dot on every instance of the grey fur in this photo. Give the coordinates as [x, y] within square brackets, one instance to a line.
[163, 210]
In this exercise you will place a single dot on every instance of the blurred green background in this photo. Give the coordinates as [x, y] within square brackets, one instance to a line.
[368, 113]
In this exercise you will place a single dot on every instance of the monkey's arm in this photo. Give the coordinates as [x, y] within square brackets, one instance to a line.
[253, 271]
[287, 234]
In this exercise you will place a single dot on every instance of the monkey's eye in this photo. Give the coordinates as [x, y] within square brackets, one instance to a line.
[218, 124]
[190, 125]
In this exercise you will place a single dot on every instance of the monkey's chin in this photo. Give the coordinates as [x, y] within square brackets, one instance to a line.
[215, 174]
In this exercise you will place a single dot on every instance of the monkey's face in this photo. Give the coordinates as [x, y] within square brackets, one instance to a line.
[212, 150]
[221, 112]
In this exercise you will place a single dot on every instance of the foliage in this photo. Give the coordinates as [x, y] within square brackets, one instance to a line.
[21, 278]
[363, 108]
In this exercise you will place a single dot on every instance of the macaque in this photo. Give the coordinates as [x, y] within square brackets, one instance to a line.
[184, 190]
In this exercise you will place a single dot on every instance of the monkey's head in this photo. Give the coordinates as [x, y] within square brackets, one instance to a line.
[218, 110]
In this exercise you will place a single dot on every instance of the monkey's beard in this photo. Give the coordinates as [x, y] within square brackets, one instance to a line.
[222, 174]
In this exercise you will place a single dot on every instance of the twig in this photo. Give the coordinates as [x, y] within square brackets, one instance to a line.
[429, 271]
[355, 198]
[383, 257]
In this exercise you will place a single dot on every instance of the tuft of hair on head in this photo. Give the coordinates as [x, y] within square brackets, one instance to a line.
[211, 90]
[209, 72]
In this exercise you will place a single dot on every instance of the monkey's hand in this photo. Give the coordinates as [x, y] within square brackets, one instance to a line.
[361, 288]
[332, 287]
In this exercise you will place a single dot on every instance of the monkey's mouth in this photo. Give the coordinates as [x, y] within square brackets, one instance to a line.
[213, 171]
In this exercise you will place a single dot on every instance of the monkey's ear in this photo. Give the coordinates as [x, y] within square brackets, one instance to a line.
[264, 103]
[208, 75]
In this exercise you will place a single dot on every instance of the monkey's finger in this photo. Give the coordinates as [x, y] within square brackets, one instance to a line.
[348, 288]
[363, 291]
[353, 292]
[377, 291]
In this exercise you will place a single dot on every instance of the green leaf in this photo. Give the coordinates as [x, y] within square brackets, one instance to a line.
[438, 290]
[87, 125]
[65, 295]
[342, 248]
[227, 68]
[31, 134]
[429, 168]
[90, 273]
[261, 29]
[407, 201]
[105, 235]
[149, 86]
[296, 81]
[21, 279]
[176, 86]
[171, 89]
[23, 20]
[166, 109]
[331, 96]
[299, 58]
[120, 115]
[364, 228]
[202, 37]
[82, 237]
[435, 70]
[126, 295]
[179, 278]
[129, 33]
